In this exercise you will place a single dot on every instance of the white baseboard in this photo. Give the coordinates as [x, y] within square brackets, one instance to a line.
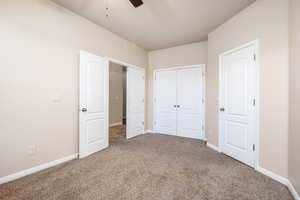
[35, 169]
[115, 124]
[149, 131]
[272, 175]
[212, 147]
[293, 191]
[280, 179]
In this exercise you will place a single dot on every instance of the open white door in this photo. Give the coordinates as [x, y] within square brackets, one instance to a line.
[93, 130]
[238, 104]
[135, 102]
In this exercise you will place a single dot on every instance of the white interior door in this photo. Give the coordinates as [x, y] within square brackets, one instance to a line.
[190, 102]
[93, 104]
[135, 102]
[237, 104]
[166, 102]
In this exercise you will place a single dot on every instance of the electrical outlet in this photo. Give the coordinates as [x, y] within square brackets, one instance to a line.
[56, 98]
[32, 150]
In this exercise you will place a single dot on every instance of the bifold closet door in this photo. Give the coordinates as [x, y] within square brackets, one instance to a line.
[166, 101]
[190, 103]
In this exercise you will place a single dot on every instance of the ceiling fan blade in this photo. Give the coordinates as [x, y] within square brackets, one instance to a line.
[136, 3]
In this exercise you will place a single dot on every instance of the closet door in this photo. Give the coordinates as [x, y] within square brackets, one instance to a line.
[135, 102]
[165, 102]
[190, 103]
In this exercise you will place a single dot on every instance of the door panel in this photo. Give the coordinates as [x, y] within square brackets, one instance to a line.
[135, 102]
[238, 88]
[95, 87]
[93, 104]
[190, 101]
[236, 84]
[93, 125]
[166, 101]
[236, 135]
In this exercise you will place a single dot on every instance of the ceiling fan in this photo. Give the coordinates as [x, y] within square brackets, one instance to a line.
[136, 3]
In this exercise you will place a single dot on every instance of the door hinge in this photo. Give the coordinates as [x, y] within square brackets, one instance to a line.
[253, 147]
[143, 123]
[203, 74]
[202, 128]
[254, 102]
[254, 57]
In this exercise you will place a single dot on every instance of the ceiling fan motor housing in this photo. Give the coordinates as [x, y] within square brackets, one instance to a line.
[136, 3]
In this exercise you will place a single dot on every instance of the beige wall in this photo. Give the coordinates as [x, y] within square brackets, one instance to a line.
[294, 136]
[266, 20]
[190, 54]
[40, 45]
[115, 93]
[39, 83]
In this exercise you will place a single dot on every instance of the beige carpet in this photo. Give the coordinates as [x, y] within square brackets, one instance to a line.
[149, 167]
[116, 133]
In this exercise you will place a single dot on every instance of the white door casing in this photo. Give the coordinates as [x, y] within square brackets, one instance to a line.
[166, 102]
[190, 103]
[94, 93]
[135, 102]
[238, 104]
[179, 101]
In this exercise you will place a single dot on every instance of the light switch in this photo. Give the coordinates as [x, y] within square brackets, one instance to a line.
[56, 99]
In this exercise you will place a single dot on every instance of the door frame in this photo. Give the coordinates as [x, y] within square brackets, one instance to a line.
[116, 61]
[154, 110]
[255, 44]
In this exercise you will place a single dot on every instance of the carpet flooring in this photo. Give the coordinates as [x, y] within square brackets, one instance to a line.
[116, 133]
[149, 167]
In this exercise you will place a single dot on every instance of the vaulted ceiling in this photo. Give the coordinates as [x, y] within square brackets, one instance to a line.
[158, 24]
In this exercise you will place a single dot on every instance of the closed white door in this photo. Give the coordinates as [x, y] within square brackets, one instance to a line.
[237, 104]
[190, 103]
[135, 102]
[166, 102]
[93, 104]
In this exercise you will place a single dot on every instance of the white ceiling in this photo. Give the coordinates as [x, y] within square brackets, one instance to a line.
[158, 23]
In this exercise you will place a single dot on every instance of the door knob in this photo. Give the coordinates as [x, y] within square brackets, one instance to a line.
[175, 106]
[222, 109]
[83, 110]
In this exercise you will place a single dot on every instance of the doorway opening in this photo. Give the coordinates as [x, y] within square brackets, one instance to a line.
[117, 102]
[98, 104]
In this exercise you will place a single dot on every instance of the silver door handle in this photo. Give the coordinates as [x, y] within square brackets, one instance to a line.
[84, 110]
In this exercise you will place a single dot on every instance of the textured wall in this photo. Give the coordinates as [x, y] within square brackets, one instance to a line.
[266, 20]
[40, 44]
[294, 136]
[115, 93]
[190, 54]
